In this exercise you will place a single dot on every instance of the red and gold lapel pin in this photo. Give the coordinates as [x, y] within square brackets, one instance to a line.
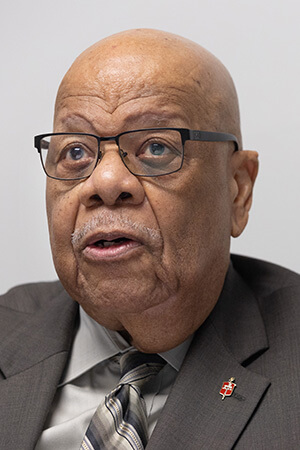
[227, 388]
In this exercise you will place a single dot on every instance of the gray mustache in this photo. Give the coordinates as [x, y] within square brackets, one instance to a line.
[117, 222]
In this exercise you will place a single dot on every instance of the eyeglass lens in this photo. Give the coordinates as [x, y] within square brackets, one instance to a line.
[145, 153]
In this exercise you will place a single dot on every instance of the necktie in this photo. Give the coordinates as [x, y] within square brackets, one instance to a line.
[120, 422]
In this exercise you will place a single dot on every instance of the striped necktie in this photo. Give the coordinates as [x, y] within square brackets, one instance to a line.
[120, 422]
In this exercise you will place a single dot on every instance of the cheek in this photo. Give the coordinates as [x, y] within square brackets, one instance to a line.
[194, 219]
[62, 210]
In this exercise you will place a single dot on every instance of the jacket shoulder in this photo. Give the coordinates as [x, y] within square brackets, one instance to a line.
[264, 277]
[27, 298]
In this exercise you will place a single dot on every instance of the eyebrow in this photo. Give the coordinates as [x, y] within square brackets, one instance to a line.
[72, 122]
[76, 122]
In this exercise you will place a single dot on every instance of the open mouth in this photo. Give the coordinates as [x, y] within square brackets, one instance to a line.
[102, 243]
[111, 247]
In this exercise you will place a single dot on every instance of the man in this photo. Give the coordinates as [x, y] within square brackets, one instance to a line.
[140, 227]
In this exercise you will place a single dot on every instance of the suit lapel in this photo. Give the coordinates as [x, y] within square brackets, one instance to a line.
[195, 417]
[32, 364]
[25, 402]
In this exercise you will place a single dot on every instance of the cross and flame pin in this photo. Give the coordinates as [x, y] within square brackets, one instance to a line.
[227, 388]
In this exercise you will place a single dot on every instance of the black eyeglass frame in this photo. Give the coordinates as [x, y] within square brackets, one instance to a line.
[185, 133]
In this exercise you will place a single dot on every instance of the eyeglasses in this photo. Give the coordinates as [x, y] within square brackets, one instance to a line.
[149, 152]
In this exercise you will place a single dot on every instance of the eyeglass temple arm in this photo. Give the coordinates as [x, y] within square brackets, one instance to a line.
[210, 136]
[40, 143]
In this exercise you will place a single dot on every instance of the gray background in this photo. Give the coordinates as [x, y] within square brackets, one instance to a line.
[257, 40]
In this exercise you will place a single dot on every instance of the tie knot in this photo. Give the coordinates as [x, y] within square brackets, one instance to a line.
[137, 368]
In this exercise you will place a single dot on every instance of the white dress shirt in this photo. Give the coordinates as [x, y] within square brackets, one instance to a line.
[92, 372]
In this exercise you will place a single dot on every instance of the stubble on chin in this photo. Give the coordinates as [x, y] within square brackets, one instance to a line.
[109, 290]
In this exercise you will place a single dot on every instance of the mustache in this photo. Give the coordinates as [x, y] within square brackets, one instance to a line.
[120, 222]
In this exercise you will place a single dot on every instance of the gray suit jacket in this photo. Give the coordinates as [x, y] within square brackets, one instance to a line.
[253, 334]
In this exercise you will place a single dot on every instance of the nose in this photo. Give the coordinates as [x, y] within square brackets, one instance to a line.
[111, 182]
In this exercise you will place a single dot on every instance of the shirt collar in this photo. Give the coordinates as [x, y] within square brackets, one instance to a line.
[93, 344]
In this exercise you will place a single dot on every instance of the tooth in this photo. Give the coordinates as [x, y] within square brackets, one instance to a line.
[101, 243]
[108, 243]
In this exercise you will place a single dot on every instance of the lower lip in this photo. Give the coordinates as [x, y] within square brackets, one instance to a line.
[95, 253]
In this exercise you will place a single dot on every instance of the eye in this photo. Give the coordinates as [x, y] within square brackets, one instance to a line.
[75, 153]
[75, 156]
[157, 149]
[151, 149]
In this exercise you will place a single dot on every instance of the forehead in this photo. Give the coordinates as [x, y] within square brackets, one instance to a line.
[135, 82]
[124, 110]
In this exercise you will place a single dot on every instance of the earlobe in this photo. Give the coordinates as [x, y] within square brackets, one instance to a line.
[244, 172]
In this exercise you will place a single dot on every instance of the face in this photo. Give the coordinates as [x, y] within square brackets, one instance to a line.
[148, 255]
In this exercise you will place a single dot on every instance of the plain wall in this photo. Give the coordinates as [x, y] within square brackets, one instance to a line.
[258, 41]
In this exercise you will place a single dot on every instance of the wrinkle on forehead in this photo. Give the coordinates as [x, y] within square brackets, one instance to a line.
[88, 115]
[119, 81]
[143, 63]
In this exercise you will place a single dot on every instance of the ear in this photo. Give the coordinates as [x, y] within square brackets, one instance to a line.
[244, 165]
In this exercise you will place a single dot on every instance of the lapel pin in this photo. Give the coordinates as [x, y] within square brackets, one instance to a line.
[227, 388]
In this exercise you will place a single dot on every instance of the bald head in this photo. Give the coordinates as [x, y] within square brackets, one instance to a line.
[144, 62]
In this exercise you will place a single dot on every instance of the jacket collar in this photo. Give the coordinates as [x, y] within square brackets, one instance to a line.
[237, 319]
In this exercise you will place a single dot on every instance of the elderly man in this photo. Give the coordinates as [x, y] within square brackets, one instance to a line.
[146, 182]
